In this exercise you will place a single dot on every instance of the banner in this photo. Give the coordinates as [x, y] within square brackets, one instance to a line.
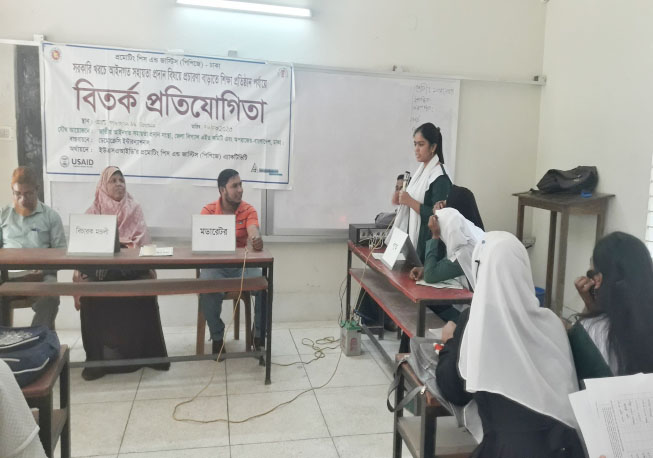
[164, 116]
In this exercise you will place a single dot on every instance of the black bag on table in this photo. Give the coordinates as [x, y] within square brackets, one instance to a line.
[581, 178]
[28, 351]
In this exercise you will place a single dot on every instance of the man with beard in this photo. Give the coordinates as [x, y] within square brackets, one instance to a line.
[29, 223]
[247, 228]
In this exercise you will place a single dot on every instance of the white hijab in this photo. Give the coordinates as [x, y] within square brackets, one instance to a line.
[460, 237]
[511, 346]
[19, 433]
[407, 219]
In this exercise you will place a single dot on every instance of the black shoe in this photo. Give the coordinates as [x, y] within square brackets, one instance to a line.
[216, 346]
[92, 373]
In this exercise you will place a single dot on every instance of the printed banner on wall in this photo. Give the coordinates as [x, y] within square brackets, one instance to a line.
[164, 116]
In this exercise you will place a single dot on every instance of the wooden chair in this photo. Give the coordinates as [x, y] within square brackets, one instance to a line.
[18, 302]
[53, 423]
[246, 298]
[11, 303]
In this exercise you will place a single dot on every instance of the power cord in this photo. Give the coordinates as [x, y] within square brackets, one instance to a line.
[314, 345]
[217, 360]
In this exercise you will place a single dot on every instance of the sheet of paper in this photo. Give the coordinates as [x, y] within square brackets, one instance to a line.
[160, 251]
[452, 284]
[616, 416]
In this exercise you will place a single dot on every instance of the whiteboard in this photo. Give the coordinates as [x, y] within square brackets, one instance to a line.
[352, 137]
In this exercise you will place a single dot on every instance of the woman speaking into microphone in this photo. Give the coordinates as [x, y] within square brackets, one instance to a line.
[429, 184]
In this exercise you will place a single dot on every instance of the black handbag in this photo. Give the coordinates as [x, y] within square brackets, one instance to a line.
[576, 180]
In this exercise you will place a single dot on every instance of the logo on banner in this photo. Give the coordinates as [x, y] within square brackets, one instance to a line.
[77, 162]
[254, 168]
[55, 55]
[65, 161]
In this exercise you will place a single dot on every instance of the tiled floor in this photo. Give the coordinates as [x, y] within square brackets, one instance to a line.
[131, 415]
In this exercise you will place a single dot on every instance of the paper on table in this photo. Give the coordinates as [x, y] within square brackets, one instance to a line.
[452, 284]
[160, 251]
[615, 416]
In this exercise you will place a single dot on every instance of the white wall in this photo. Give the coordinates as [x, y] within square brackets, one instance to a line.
[596, 110]
[497, 141]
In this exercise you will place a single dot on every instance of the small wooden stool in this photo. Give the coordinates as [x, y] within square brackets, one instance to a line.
[53, 423]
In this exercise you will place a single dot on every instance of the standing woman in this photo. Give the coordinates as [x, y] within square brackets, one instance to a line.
[124, 327]
[429, 184]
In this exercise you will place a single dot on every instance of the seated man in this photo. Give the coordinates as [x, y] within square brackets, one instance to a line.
[31, 224]
[231, 203]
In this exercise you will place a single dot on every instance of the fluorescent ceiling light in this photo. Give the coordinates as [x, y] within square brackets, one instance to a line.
[250, 7]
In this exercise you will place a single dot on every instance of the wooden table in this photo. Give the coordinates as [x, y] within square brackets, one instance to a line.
[405, 302]
[565, 204]
[183, 258]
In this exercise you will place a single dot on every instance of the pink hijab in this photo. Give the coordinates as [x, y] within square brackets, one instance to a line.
[131, 222]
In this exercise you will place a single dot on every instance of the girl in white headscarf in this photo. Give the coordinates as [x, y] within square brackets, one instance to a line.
[512, 358]
[460, 237]
[19, 433]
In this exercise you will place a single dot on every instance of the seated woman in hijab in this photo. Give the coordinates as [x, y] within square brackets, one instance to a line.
[614, 335]
[125, 327]
[456, 228]
[511, 359]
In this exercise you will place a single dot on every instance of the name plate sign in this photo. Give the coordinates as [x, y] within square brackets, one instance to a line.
[394, 247]
[92, 234]
[214, 233]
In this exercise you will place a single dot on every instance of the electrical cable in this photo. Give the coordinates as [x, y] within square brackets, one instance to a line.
[217, 359]
[314, 345]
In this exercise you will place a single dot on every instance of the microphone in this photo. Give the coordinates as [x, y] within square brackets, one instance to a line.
[406, 180]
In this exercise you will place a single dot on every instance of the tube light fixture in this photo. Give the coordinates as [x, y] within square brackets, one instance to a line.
[250, 7]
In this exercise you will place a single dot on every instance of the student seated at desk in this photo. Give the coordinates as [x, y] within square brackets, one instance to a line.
[614, 335]
[29, 223]
[512, 358]
[455, 232]
[119, 327]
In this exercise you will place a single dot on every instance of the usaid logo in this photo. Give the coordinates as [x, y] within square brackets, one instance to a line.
[64, 161]
[77, 162]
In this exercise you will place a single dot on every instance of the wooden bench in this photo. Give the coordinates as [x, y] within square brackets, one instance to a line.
[419, 432]
[401, 310]
[53, 423]
[132, 288]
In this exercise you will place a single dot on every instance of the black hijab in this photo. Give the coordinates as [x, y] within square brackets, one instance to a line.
[462, 199]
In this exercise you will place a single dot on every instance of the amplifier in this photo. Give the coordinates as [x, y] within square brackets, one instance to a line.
[362, 234]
